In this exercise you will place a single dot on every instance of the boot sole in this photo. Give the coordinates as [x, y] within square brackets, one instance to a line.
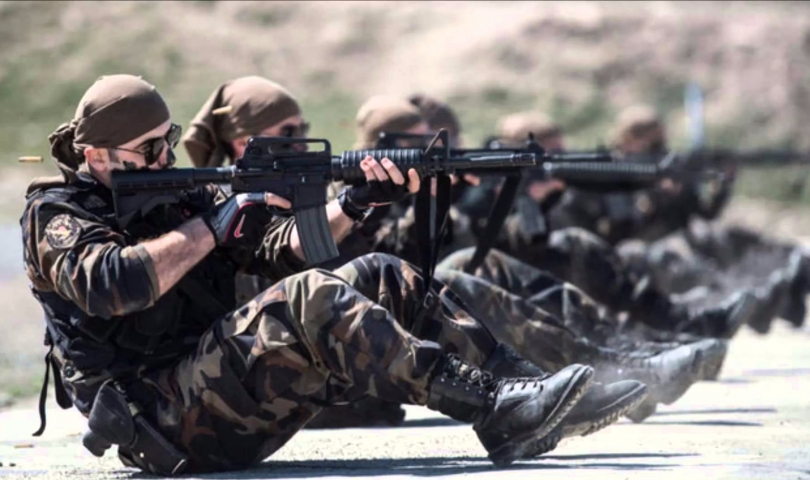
[610, 415]
[518, 446]
[642, 412]
[620, 407]
[714, 364]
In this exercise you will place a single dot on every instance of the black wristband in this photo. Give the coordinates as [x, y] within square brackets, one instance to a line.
[206, 217]
[351, 211]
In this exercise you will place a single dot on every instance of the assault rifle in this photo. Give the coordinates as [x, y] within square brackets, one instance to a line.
[271, 165]
[604, 176]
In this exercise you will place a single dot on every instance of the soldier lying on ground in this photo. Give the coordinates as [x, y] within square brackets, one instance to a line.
[672, 367]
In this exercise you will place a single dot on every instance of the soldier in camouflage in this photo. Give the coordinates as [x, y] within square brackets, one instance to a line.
[690, 250]
[572, 255]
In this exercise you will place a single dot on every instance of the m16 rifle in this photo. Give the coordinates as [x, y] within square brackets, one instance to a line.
[603, 175]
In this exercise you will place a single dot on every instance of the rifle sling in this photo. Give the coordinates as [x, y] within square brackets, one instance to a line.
[431, 220]
[500, 210]
[193, 288]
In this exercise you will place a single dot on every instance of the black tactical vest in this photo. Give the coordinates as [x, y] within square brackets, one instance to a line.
[118, 346]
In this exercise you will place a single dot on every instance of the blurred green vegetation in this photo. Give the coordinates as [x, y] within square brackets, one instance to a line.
[39, 89]
[786, 184]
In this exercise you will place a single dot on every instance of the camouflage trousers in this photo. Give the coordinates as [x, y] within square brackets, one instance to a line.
[315, 339]
[643, 304]
[583, 259]
[720, 259]
[323, 338]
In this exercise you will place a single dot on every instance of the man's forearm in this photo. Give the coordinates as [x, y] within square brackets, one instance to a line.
[176, 252]
[339, 226]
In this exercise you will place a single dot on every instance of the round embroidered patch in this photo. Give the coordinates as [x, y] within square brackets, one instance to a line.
[62, 231]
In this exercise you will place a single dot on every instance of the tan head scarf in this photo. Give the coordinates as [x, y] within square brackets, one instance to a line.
[437, 113]
[241, 107]
[636, 121]
[113, 111]
[517, 127]
[384, 114]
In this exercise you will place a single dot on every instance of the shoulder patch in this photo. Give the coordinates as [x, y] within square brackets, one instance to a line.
[62, 231]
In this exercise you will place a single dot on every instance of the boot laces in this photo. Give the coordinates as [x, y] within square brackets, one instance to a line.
[467, 373]
[521, 383]
[644, 363]
[481, 378]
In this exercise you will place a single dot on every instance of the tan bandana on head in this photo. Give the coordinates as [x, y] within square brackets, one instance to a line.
[635, 121]
[384, 114]
[238, 108]
[516, 128]
[115, 110]
[437, 113]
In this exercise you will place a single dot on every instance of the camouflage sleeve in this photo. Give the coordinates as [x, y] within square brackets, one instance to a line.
[88, 263]
[274, 258]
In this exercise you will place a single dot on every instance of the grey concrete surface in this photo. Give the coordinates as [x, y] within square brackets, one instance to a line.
[752, 423]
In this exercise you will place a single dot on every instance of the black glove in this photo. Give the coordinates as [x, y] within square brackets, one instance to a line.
[240, 220]
[355, 201]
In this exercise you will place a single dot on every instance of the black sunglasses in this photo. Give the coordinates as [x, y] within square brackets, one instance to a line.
[295, 131]
[152, 148]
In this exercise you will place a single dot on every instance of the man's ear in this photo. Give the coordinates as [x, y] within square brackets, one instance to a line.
[238, 146]
[97, 159]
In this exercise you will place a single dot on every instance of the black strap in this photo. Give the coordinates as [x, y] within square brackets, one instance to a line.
[193, 288]
[443, 195]
[62, 398]
[431, 221]
[43, 393]
[500, 210]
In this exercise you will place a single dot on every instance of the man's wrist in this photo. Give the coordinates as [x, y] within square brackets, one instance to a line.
[206, 218]
[349, 209]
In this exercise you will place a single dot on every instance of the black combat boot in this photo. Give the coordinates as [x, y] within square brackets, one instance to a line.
[724, 320]
[713, 353]
[771, 299]
[653, 308]
[668, 375]
[795, 309]
[601, 406]
[508, 414]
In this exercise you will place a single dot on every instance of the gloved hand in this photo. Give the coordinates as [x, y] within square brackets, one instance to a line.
[383, 186]
[242, 218]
